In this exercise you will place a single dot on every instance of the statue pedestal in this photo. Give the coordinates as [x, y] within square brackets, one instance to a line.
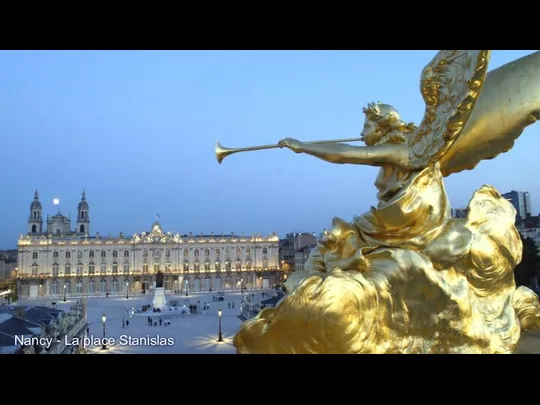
[159, 298]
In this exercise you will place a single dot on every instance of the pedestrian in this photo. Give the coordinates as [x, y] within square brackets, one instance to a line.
[127, 323]
[123, 323]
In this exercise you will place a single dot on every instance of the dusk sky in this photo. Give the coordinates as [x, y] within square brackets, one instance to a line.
[136, 130]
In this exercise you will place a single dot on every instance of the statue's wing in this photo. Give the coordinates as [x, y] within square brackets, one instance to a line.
[450, 85]
[509, 102]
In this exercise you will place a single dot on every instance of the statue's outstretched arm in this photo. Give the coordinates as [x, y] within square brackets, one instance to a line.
[378, 155]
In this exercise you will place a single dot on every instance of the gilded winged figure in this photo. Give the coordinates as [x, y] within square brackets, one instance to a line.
[406, 277]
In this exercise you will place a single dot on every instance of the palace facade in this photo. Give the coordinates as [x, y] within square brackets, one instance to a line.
[60, 262]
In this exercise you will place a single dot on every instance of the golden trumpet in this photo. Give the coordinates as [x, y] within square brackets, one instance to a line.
[222, 152]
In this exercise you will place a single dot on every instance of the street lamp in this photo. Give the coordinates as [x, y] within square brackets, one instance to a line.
[127, 290]
[186, 287]
[65, 292]
[220, 337]
[103, 319]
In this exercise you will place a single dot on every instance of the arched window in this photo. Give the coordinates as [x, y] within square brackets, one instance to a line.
[207, 252]
[145, 267]
[91, 268]
[238, 251]
[186, 266]
[114, 286]
[218, 251]
[248, 250]
[103, 286]
[227, 265]
[238, 265]
[35, 269]
[54, 287]
[196, 252]
[103, 268]
[115, 267]
[186, 252]
[218, 266]
[248, 265]
[126, 268]
[67, 269]
[228, 282]
[55, 269]
[91, 287]
[79, 269]
[79, 287]
[197, 266]
[207, 265]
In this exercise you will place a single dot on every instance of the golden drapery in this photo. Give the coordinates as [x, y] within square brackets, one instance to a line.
[405, 278]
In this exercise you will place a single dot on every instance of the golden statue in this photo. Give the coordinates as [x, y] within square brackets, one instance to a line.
[406, 277]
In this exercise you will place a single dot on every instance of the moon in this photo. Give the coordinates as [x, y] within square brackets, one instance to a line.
[56, 201]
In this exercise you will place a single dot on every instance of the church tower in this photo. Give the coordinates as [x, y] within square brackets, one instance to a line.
[83, 219]
[35, 222]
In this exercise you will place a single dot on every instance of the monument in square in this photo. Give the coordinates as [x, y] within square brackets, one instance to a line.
[406, 277]
[159, 301]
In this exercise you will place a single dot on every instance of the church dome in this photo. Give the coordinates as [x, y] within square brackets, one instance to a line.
[36, 205]
[83, 205]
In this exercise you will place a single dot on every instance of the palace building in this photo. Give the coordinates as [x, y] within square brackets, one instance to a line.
[62, 262]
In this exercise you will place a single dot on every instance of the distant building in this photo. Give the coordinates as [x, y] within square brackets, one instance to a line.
[60, 261]
[290, 244]
[301, 255]
[521, 200]
[530, 228]
[7, 267]
[459, 212]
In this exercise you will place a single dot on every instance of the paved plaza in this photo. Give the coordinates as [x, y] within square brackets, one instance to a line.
[195, 333]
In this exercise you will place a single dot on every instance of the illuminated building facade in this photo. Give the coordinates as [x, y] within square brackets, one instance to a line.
[59, 261]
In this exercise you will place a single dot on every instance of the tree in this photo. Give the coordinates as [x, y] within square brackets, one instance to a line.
[530, 262]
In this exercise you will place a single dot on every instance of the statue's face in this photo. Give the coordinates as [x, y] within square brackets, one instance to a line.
[371, 133]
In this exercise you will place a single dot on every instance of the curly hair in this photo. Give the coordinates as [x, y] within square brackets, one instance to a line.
[387, 118]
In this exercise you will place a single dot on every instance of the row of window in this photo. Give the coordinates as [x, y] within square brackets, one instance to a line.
[145, 267]
[91, 254]
[116, 286]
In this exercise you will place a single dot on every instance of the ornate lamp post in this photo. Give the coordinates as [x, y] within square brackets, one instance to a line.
[127, 290]
[104, 319]
[65, 292]
[220, 336]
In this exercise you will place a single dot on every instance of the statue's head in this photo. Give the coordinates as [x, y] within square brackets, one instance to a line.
[382, 120]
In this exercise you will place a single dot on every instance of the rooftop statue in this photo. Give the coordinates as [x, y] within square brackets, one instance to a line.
[406, 277]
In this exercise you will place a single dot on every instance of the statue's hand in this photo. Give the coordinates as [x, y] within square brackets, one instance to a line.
[293, 144]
